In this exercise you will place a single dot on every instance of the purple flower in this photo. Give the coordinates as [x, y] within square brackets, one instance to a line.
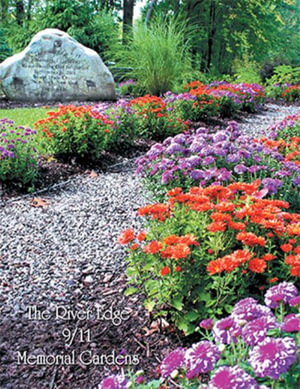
[174, 148]
[281, 292]
[226, 330]
[208, 160]
[296, 181]
[240, 169]
[256, 330]
[140, 379]
[173, 361]
[291, 323]
[273, 357]
[207, 324]
[232, 377]
[201, 358]
[272, 184]
[114, 382]
[197, 174]
[294, 301]
[248, 309]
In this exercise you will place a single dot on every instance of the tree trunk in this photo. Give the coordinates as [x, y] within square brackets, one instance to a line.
[211, 32]
[127, 19]
[4, 10]
[29, 6]
[150, 12]
[20, 12]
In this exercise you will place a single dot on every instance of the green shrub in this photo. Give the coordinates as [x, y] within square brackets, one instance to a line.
[158, 55]
[76, 131]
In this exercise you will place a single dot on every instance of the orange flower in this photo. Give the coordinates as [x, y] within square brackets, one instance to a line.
[286, 247]
[141, 236]
[215, 267]
[134, 246]
[268, 257]
[257, 265]
[297, 250]
[295, 271]
[126, 236]
[181, 250]
[250, 239]
[272, 280]
[165, 271]
[216, 226]
[153, 247]
[178, 269]
[172, 239]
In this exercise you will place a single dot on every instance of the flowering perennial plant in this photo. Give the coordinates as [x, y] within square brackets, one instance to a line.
[18, 156]
[225, 360]
[292, 93]
[76, 131]
[209, 244]
[203, 158]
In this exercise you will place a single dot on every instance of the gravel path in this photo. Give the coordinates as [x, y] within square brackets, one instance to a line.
[55, 254]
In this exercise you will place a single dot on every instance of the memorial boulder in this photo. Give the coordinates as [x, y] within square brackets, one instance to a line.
[55, 67]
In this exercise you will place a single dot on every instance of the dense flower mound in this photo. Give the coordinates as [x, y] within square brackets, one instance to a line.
[18, 155]
[76, 131]
[207, 238]
[272, 352]
[292, 93]
[204, 158]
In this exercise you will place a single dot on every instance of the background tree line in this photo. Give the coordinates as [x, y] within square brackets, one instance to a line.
[222, 36]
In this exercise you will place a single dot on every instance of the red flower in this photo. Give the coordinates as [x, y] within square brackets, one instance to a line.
[141, 236]
[210, 251]
[257, 265]
[165, 271]
[134, 246]
[126, 236]
[178, 269]
[153, 247]
[286, 247]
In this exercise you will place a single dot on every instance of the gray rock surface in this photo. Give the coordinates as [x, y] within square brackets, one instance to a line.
[55, 67]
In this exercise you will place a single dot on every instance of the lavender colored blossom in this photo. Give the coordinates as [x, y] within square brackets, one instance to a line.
[291, 323]
[207, 324]
[284, 290]
[114, 382]
[240, 169]
[232, 377]
[296, 181]
[201, 358]
[294, 301]
[226, 330]
[173, 361]
[256, 330]
[272, 184]
[273, 357]
[248, 309]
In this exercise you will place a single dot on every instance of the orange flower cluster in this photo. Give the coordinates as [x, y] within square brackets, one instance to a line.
[62, 117]
[229, 262]
[157, 211]
[290, 89]
[250, 239]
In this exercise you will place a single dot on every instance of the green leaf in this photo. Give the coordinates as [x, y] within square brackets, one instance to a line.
[192, 315]
[130, 291]
[177, 303]
[149, 305]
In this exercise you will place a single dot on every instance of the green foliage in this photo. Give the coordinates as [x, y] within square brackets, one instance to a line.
[76, 131]
[18, 157]
[192, 265]
[158, 55]
[24, 116]
[284, 74]
[5, 50]
[246, 70]
[292, 93]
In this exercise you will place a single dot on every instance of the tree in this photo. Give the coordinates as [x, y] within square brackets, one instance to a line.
[128, 8]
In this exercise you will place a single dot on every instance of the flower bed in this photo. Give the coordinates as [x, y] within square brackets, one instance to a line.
[254, 347]
[207, 246]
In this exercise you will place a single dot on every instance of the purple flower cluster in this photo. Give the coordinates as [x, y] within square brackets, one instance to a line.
[114, 382]
[127, 82]
[284, 127]
[204, 158]
[273, 357]
[232, 377]
[173, 361]
[201, 358]
[12, 137]
[282, 292]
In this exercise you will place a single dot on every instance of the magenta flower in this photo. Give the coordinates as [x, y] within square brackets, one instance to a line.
[201, 358]
[207, 324]
[291, 323]
[173, 361]
[232, 377]
[294, 301]
[114, 382]
[226, 330]
[281, 292]
[256, 330]
[273, 357]
[248, 309]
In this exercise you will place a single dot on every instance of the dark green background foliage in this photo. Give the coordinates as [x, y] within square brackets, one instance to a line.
[234, 37]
